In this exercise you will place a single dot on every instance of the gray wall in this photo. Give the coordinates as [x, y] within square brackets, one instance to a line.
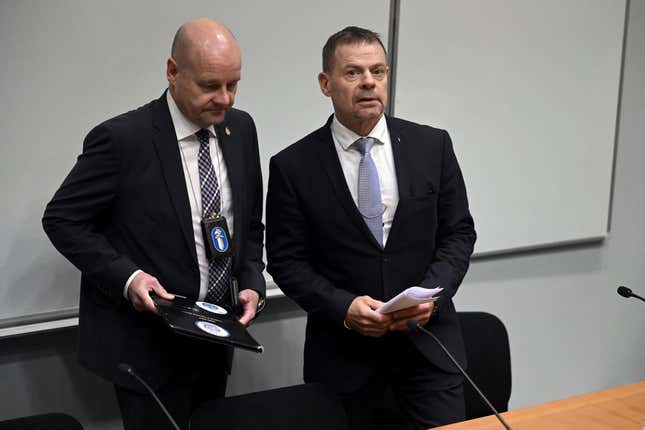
[570, 332]
[71, 64]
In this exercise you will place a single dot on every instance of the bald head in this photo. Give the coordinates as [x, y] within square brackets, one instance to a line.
[201, 34]
[203, 70]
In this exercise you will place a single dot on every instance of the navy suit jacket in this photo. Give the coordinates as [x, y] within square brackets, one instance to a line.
[322, 254]
[124, 206]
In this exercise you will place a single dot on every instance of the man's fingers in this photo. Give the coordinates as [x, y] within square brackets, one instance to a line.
[249, 300]
[362, 317]
[369, 327]
[401, 325]
[149, 305]
[250, 297]
[372, 303]
[367, 311]
[413, 312]
[247, 316]
[421, 313]
[139, 292]
[161, 291]
[371, 323]
[143, 302]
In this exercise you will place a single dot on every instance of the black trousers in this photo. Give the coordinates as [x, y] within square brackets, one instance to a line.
[405, 392]
[180, 396]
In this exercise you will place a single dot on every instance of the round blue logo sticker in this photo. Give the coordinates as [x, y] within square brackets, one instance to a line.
[211, 307]
[213, 329]
[220, 241]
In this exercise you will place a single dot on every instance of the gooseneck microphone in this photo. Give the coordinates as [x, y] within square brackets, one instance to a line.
[126, 368]
[414, 325]
[627, 292]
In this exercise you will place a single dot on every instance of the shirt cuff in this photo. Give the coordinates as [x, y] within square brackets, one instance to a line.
[128, 282]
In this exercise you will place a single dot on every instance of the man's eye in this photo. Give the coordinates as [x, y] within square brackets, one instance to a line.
[231, 86]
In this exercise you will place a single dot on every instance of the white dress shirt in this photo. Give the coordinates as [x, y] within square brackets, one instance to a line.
[383, 159]
[189, 153]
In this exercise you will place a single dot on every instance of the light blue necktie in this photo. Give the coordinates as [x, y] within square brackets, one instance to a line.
[219, 269]
[369, 189]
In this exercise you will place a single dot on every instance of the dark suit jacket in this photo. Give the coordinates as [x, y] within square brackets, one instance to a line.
[124, 206]
[321, 253]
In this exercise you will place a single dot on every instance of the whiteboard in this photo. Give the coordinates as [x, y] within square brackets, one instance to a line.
[529, 92]
[68, 65]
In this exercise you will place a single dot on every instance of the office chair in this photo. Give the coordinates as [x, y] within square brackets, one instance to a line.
[42, 422]
[489, 362]
[305, 406]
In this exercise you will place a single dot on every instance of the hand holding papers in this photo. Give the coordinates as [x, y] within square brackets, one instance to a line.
[411, 297]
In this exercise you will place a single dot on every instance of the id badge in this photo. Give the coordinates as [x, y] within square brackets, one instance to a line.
[217, 238]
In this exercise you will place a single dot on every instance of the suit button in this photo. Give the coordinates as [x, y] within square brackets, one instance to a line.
[386, 260]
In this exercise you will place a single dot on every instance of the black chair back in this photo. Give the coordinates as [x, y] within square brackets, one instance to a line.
[489, 362]
[306, 406]
[42, 422]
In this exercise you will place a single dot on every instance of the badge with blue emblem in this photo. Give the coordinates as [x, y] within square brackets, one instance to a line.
[216, 237]
[220, 239]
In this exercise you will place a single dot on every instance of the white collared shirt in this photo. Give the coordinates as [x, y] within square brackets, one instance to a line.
[189, 151]
[383, 159]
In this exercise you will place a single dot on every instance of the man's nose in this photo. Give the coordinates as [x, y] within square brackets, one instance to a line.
[367, 80]
[222, 97]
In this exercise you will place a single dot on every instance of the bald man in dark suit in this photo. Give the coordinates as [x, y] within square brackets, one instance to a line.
[129, 217]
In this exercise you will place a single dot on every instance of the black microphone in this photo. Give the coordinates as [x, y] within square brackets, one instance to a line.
[627, 292]
[126, 368]
[414, 325]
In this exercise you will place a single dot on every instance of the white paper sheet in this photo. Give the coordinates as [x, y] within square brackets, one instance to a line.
[411, 297]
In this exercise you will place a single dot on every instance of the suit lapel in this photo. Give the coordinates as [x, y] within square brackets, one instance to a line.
[331, 164]
[230, 145]
[165, 142]
[403, 167]
[400, 151]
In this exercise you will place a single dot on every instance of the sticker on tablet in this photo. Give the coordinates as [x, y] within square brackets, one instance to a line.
[210, 307]
[211, 328]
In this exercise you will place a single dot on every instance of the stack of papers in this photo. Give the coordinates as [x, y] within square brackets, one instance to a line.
[411, 297]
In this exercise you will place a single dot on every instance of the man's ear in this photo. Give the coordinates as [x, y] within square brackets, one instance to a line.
[323, 81]
[171, 70]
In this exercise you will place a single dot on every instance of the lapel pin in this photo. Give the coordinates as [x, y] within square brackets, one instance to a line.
[228, 131]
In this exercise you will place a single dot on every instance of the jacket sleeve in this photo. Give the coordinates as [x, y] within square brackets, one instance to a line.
[76, 215]
[455, 231]
[287, 252]
[251, 276]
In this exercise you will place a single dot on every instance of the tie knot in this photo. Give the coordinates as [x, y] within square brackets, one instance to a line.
[202, 136]
[364, 145]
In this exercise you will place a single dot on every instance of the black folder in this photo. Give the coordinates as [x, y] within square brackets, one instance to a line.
[205, 321]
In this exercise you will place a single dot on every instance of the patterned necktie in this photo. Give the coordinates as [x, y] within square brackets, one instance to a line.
[219, 269]
[369, 189]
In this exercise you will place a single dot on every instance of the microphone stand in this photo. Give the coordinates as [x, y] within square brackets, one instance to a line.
[414, 325]
[126, 368]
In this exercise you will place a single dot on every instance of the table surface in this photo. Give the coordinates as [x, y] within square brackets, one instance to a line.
[615, 408]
